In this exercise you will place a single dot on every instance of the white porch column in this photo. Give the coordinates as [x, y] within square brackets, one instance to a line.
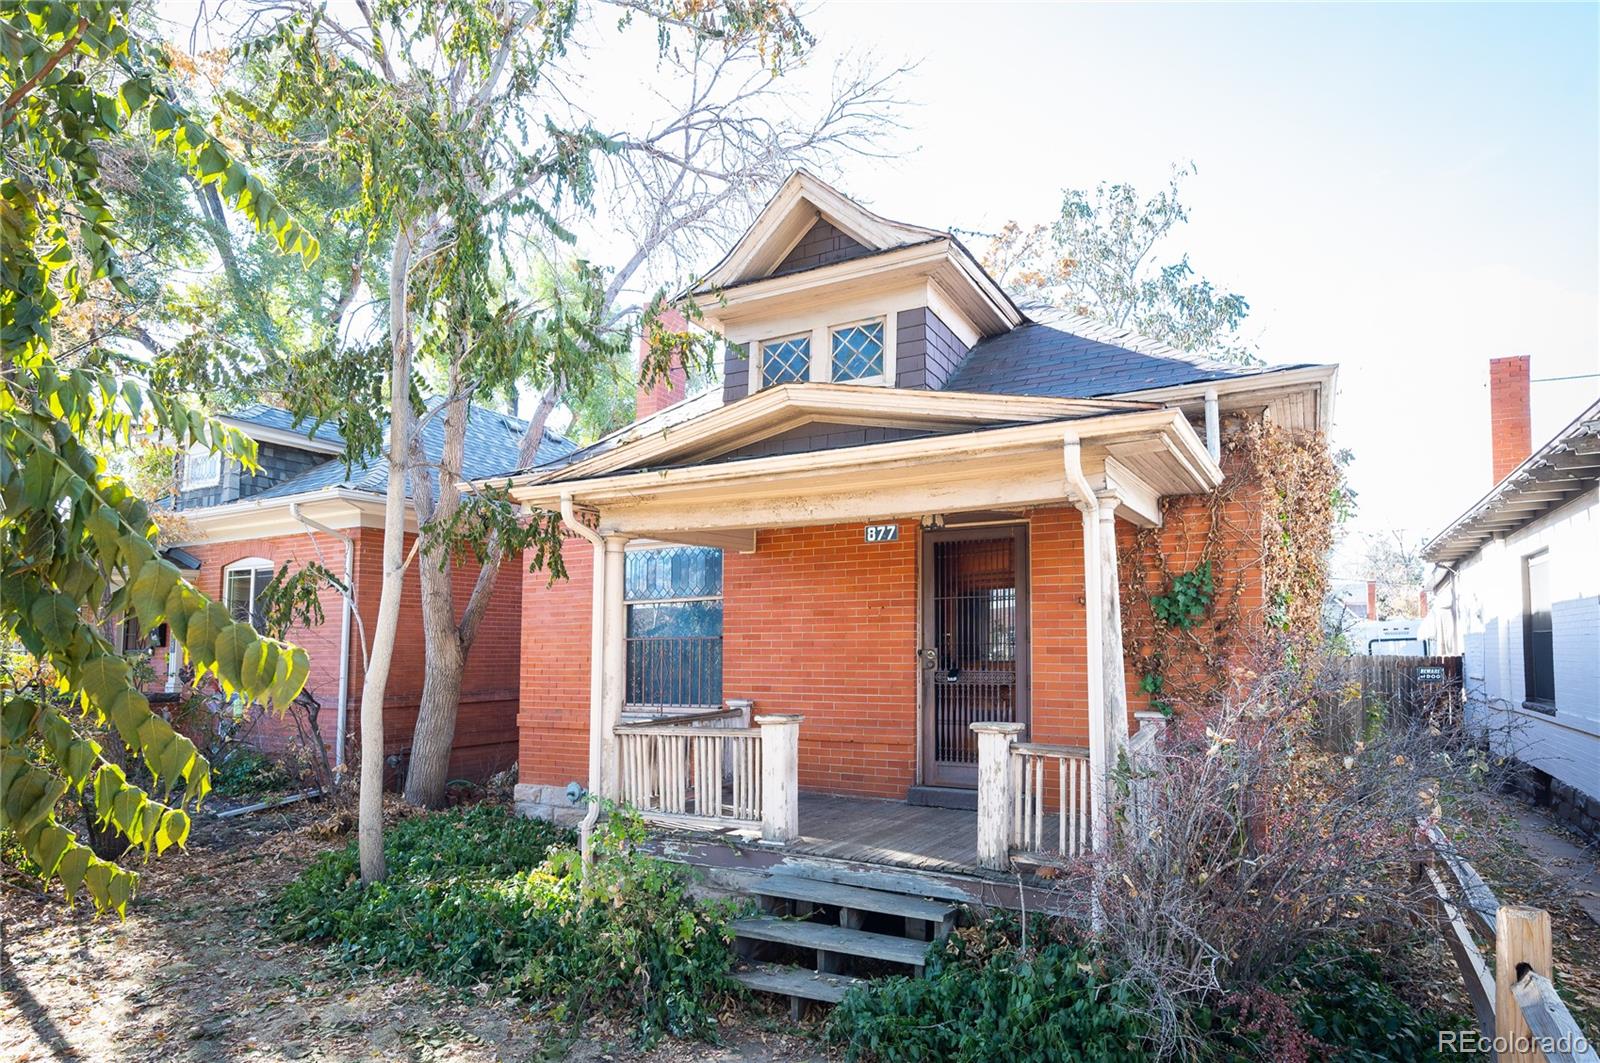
[1113, 672]
[1083, 496]
[613, 662]
[780, 777]
[1094, 666]
[994, 792]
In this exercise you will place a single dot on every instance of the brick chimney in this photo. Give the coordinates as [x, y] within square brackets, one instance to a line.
[1510, 414]
[1372, 599]
[1422, 603]
[674, 387]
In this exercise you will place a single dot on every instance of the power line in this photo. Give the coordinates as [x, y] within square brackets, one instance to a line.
[1553, 379]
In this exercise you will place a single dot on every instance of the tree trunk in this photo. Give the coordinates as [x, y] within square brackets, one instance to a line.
[443, 648]
[375, 683]
[436, 724]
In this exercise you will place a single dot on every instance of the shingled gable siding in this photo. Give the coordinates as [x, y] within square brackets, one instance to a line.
[926, 351]
[278, 464]
[822, 245]
[822, 435]
[735, 371]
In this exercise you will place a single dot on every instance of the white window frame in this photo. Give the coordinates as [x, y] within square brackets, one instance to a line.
[255, 566]
[193, 482]
[883, 355]
[761, 357]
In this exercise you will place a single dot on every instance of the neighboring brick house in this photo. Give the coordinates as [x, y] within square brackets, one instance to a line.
[305, 504]
[1516, 589]
[893, 519]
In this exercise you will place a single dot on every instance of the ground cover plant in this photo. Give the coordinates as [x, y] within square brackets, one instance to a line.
[992, 994]
[480, 895]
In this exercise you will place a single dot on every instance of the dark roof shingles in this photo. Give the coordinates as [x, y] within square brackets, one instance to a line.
[491, 450]
[1046, 358]
[259, 413]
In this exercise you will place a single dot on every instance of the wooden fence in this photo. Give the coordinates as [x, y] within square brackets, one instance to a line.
[1517, 1006]
[1391, 690]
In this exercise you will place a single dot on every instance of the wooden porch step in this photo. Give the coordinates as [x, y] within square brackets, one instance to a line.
[835, 939]
[820, 891]
[794, 982]
[883, 880]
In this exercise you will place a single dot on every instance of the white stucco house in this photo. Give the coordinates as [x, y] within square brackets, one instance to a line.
[1517, 591]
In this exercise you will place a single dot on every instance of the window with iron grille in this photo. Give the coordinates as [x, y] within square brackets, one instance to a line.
[674, 601]
[858, 352]
[785, 361]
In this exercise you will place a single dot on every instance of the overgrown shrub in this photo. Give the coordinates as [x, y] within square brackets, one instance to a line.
[985, 997]
[246, 772]
[1246, 844]
[482, 895]
[1334, 1000]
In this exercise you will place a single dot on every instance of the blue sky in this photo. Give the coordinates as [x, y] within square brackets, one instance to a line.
[1406, 190]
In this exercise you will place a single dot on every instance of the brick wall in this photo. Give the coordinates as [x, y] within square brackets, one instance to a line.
[818, 622]
[553, 718]
[486, 733]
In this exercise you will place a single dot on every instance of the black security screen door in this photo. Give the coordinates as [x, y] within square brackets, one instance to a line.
[975, 652]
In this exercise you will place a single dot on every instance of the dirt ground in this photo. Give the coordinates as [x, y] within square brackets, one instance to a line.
[194, 974]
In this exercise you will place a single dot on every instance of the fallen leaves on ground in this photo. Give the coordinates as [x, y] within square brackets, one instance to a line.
[195, 974]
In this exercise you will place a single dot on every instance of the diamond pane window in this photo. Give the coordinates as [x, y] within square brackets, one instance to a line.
[858, 351]
[674, 636]
[785, 361]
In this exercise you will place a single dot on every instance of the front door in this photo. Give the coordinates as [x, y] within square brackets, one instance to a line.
[974, 644]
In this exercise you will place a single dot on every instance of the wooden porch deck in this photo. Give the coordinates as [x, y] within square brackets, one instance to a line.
[872, 842]
[891, 833]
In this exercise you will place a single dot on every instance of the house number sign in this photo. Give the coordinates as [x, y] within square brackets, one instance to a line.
[883, 533]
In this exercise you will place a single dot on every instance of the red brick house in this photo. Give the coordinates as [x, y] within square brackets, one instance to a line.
[891, 535]
[303, 505]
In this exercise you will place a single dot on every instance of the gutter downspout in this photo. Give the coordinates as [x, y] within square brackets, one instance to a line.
[341, 726]
[596, 649]
[1083, 496]
[1213, 426]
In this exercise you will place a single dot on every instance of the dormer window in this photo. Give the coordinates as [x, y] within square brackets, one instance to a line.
[786, 360]
[858, 352]
[202, 467]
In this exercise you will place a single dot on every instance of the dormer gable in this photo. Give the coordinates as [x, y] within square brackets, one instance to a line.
[804, 218]
[822, 290]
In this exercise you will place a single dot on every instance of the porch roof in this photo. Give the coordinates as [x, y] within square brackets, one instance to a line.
[988, 453]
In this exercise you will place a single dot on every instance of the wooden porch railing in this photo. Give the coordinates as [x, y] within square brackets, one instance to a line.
[705, 771]
[1037, 772]
[1016, 784]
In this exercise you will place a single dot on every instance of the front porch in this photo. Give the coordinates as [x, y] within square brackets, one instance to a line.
[933, 613]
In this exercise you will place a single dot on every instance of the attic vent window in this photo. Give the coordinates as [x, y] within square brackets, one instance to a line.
[785, 361]
[202, 467]
[858, 352]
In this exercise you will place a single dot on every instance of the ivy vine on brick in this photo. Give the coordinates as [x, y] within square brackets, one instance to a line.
[1187, 599]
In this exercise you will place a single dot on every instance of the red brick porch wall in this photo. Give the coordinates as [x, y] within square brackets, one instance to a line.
[486, 728]
[819, 622]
